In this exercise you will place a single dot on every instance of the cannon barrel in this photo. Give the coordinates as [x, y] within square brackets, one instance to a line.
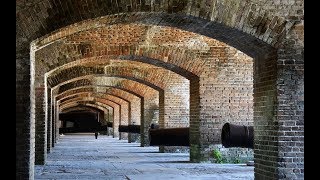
[169, 137]
[129, 128]
[237, 136]
[154, 126]
[109, 124]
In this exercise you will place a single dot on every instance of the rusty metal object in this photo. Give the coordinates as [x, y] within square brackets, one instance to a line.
[237, 136]
[169, 137]
[129, 128]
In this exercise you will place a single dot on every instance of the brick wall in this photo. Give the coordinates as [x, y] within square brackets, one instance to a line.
[272, 22]
[176, 101]
[265, 133]
[41, 127]
[25, 127]
[226, 95]
[290, 109]
[48, 117]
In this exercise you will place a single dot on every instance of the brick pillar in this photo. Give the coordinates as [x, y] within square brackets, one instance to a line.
[116, 120]
[57, 121]
[279, 116]
[41, 127]
[135, 119]
[290, 115]
[142, 137]
[111, 119]
[176, 107]
[106, 120]
[129, 121]
[124, 118]
[53, 125]
[151, 115]
[195, 145]
[48, 117]
[25, 129]
[290, 106]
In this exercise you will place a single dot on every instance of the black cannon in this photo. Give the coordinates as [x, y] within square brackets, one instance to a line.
[237, 136]
[109, 124]
[169, 137]
[129, 128]
[154, 126]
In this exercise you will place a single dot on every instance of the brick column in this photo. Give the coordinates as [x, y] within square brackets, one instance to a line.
[135, 109]
[116, 120]
[195, 145]
[279, 116]
[124, 120]
[41, 127]
[111, 119]
[53, 125]
[48, 117]
[151, 115]
[25, 129]
[57, 121]
[176, 107]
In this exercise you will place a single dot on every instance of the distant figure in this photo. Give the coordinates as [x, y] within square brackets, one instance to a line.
[96, 135]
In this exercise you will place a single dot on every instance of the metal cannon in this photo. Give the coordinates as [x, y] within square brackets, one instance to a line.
[129, 128]
[109, 124]
[169, 137]
[237, 136]
[154, 126]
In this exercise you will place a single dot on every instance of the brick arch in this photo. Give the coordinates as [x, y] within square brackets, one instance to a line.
[117, 68]
[109, 109]
[184, 61]
[93, 94]
[124, 103]
[135, 101]
[105, 108]
[62, 100]
[92, 88]
[111, 97]
[86, 108]
[86, 98]
[80, 108]
[147, 93]
[118, 92]
[89, 80]
[139, 89]
[91, 109]
[102, 101]
[240, 40]
[267, 20]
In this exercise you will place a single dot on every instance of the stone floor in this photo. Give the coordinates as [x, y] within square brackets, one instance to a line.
[81, 156]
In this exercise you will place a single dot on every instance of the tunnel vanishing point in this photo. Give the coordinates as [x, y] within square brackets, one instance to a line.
[179, 63]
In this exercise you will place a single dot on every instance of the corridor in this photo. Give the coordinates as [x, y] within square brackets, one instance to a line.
[81, 156]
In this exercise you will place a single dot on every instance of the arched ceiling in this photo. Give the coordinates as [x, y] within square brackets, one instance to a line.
[102, 83]
[84, 108]
[115, 68]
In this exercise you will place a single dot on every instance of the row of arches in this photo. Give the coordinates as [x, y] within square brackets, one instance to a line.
[215, 73]
[186, 78]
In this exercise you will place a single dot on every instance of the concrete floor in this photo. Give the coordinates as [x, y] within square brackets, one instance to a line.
[81, 156]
